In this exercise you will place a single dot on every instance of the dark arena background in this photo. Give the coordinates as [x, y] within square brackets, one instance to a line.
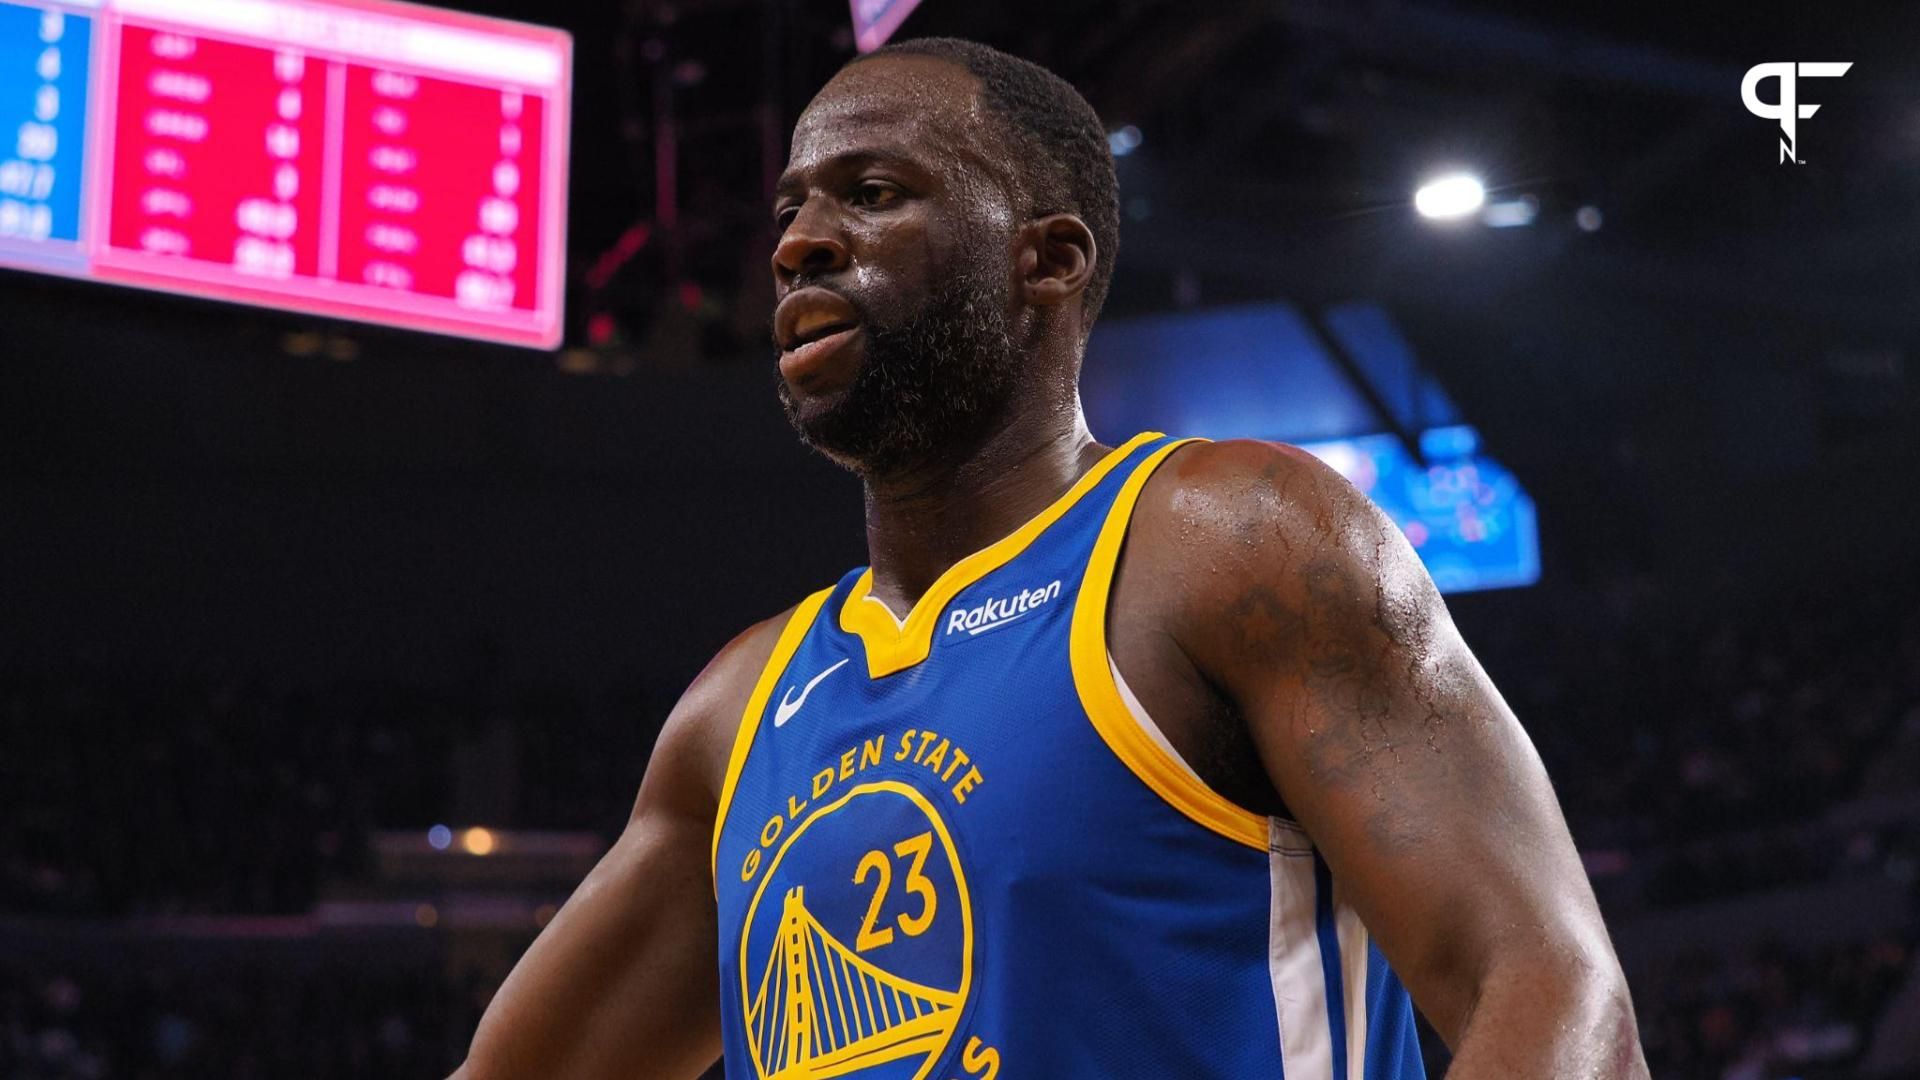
[331, 655]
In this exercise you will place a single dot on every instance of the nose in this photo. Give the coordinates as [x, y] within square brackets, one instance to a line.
[811, 245]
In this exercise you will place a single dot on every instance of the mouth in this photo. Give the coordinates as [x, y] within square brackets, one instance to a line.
[811, 325]
[806, 356]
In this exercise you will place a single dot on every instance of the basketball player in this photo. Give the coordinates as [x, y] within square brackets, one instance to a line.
[1154, 760]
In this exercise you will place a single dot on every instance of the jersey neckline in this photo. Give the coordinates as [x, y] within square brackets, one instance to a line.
[893, 644]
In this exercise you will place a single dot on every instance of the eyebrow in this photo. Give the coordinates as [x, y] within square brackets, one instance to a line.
[792, 181]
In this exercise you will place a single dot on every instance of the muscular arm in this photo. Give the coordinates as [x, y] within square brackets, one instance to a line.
[622, 983]
[1302, 606]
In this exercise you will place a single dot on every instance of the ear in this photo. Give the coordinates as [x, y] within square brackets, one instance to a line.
[1056, 260]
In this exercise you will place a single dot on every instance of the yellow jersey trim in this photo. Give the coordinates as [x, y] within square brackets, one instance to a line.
[790, 637]
[1093, 680]
[894, 644]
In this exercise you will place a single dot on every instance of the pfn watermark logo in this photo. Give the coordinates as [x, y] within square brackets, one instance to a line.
[1788, 109]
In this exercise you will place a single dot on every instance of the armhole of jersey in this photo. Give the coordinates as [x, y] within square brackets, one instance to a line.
[790, 637]
[1100, 696]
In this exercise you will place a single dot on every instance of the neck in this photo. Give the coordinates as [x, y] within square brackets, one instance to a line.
[923, 519]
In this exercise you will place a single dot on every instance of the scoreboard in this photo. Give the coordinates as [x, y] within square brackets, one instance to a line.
[1465, 514]
[359, 159]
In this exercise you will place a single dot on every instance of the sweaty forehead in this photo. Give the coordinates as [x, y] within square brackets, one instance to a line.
[921, 105]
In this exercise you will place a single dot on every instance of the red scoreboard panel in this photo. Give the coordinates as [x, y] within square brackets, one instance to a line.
[354, 158]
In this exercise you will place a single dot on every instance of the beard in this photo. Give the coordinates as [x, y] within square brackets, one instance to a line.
[927, 381]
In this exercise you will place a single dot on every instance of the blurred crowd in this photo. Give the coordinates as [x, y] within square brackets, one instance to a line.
[133, 797]
[1696, 763]
[1662, 732]
[1770, 1011]
[159, 1021]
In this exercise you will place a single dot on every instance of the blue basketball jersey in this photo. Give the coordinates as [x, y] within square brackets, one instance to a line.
[954, 846]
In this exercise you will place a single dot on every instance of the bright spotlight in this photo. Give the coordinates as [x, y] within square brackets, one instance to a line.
[1449, 197]
[478, 841]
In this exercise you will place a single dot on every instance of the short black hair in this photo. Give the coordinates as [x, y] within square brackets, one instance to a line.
[1063, 158]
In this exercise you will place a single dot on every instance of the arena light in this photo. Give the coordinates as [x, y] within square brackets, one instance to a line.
[478, 841]
[1124, 141]
[1449, 197]
[874, 21]
[1512, 214]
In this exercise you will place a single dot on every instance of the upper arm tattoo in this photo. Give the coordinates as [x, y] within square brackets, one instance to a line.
[1342, 653]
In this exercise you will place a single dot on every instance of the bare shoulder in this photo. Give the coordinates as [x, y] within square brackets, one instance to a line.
[698, 735]
[1246, 485]
[1254, 538]
[1247, 501]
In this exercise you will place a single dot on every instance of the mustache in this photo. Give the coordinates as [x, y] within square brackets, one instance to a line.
[811, 281]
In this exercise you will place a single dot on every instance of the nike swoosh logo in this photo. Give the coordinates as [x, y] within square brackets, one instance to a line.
[784, 711]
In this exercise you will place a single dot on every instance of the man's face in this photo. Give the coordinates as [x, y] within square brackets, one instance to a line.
[893, 273]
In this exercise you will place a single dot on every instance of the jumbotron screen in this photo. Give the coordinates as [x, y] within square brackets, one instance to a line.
[358, 159]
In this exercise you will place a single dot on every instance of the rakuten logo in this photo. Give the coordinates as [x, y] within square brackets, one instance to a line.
[998, 612]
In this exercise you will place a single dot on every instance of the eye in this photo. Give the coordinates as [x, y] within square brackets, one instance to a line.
[783, 216]
[874, 193]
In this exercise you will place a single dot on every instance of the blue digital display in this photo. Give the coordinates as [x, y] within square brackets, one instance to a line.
[1254, 371]
[44, 55]
[1267, 371]
[1465, 514]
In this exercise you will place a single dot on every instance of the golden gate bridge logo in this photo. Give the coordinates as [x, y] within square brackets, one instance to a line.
[822, 1011]
[816, 1007]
